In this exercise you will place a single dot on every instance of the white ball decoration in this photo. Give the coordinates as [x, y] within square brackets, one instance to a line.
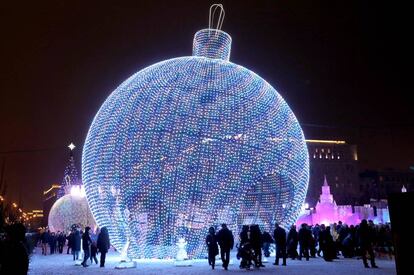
[68, 210]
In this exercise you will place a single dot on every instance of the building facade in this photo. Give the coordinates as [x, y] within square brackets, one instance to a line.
[338, 161]
[49, 197]
[35, 218]
[378, 184]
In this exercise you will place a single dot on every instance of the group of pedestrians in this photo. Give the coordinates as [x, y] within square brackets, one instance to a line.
[90, 242]
[55, 241]
[94, 242]
[308, 242]
[224, 238]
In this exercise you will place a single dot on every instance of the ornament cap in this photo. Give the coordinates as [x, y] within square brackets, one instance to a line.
[212, 43]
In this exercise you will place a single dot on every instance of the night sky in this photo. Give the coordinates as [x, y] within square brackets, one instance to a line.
[342, 66]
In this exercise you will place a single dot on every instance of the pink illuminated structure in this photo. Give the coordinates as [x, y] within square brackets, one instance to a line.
[328, 212]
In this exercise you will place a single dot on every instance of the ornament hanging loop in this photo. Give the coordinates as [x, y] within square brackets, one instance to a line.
[221, 13]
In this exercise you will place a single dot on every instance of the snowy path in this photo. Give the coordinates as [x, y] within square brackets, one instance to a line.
[63, 264]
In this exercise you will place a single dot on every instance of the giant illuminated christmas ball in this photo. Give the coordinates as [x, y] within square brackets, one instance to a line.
[182, 144]
[69, 210]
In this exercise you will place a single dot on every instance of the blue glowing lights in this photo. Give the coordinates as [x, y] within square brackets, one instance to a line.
[190, 142]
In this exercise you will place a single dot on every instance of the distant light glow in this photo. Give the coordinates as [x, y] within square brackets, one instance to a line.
[54, 186]
[325, 141]
[77, 190]
[188, 143]
[71, 146]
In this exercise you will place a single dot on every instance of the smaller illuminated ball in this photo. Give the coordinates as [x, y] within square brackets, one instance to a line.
[68, 210]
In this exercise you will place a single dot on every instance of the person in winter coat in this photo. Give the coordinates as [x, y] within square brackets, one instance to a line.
[103, 244]
[327, 244]
[280, 240]
[267, 240]
[86, 245]
[61, 239]
[226, 241]
[304, 237]
[76, 244]
[365, 239]
[70, 242]
[292, 242]
[14, 258]
[94, 248]
[211, 242]
[44, 237]
[52, 242]
[257, 242]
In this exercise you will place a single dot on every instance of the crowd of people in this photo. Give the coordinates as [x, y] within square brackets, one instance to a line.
[328, 242]
[91, 242]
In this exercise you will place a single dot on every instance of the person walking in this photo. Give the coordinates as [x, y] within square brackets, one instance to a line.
[52, 242]
[267, 240]
[70, 242]
[61, 239]
[292, 242]
[94, 248]
[365, 236]
[327, 244]
[103, 244]
[211, 242]
[86, 246]
[76, 244]
[257, 242]
[280, 240]
[304, 237]
[225, 240]
[44, 237]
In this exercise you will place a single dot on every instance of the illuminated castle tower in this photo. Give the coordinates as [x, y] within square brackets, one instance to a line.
[326, 208]
[180, 145]
[328, 212]
[326, 197]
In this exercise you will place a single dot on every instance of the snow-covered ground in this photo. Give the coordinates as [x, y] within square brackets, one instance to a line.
[63, 264]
